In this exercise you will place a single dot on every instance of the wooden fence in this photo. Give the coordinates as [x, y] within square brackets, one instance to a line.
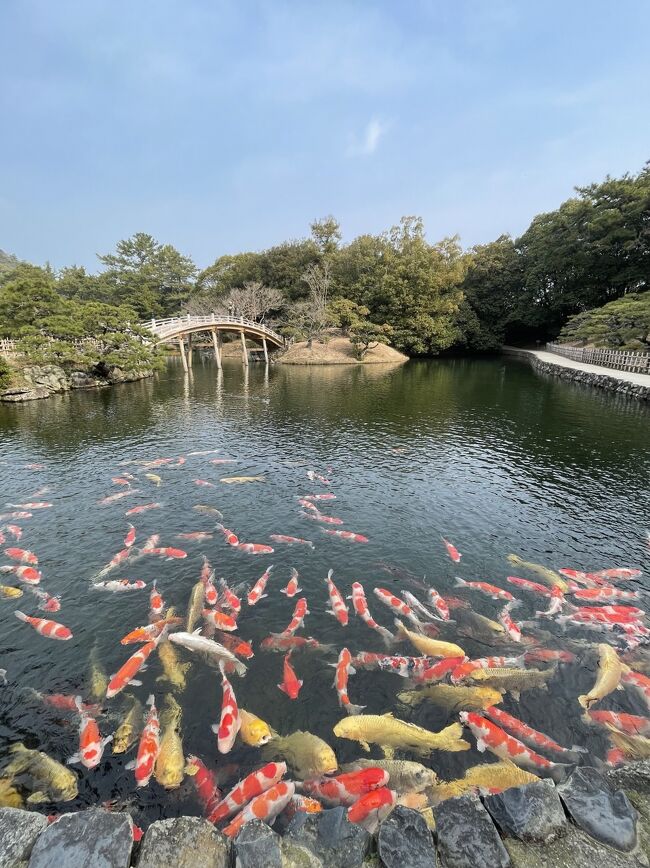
[9, 347]
[622, 360]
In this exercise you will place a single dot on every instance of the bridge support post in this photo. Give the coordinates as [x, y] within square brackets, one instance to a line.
[217, 351]
[266, 352]
[243, 348]
[181, 347]
[189, 350]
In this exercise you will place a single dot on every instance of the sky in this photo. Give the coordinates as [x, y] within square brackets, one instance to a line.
[228, 126]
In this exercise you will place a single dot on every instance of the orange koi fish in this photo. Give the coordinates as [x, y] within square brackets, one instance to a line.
[125, 674]
[250, 787]
[156, 602]
[91, 744]
[346, 535]
[347, 788]
[219, 620]
[337, 603]
[22, 555]
[49, 629]
[485, 588]
[292, 586]
[452, 551]
[299, 612]
[204, 783]
[344, 669]
[291, 684]
[360, 606]
[230, 537]
[265, 807]
[148, 748]
[28, 575]
[371, 809]
[129, 539]
[257, 592]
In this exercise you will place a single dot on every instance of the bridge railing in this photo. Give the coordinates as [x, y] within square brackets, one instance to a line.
[161, 327]
[621, 360]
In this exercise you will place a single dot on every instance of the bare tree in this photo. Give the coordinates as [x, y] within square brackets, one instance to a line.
[253, 301]
[319, 278]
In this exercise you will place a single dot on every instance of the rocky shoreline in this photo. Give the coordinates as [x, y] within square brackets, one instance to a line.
[43, 381]
[588, 820]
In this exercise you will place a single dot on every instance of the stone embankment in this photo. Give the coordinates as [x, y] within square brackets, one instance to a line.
[42, 381]
[589, 820]
[624, 383]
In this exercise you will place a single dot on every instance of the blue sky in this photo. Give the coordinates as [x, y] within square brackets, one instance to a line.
[223, 126]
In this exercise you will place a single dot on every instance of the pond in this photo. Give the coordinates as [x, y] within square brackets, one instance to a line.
[486, 453]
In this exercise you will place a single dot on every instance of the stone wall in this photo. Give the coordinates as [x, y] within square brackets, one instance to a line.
[601, 381]
[42, 381]
[589, 820]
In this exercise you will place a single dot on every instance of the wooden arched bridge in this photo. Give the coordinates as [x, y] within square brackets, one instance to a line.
[178, 329]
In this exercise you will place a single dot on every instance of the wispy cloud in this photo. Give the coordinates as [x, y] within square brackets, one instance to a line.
[368, 143]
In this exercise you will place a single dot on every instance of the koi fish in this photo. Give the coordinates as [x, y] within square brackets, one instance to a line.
[630, 724]
[616, 573]
[170, 553]
[313, 477]
[220, 620]
[28, 575]
[148, 633]
[48, 603]
[14, 530]
[278, 642]
[257, 592]
[337, 603]
[485, 588]
[230, 721]
[527, 585]
[148, 748]
[556, 605]
[34, 505]
[120, 480]
[438, 670]
[255, 548]
[438, 603]
[292, 586]
[111, 498]
[211, 595]
[290, 683]
[238, 646]
[318, 516]
[125, 674]
[371, 809]
[604, 595]
[156, 602]
[22, 555]
[145, 507]
[405, 667]
[307, 504]
[346, 789]
[208, 510]
[512, 629]
[265, 807]
[412, 601]
[231, 600]
[223, 461]
[291, 540]
[465, 668]
[204, 483]
[397, 605]
[300, 804]
[346, 535]
[119, 585]
[91, 744]
[129, 539]
[250, 787]
[299, 612]
[317, 497]
[548, 655]
[204, 782]
[360, 606]
[452, 551]
[49, 629]
[230, 537]
[526, 733]
[115, 561]
[22, 514]
[640, 682]
[344, 668]
[195, 536]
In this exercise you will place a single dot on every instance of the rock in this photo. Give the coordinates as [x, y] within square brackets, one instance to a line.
[296, 856]
[82, 380]
[573, 850]
[631, 776]
[532, 812]
[51, 377]
[605, 815]
[18, 832]
[95, 837]
[467, 837]
[184, 842]
[14, 396]
[118, 375]
[336, 841]
[257, 845]
[405, 840]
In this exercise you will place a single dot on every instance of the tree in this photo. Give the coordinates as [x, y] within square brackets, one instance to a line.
[367, 335]
[253, 301]
[326, 234]
[26, 300]
[346, 314]
[8, 262]
[318, 278]
[621, 324]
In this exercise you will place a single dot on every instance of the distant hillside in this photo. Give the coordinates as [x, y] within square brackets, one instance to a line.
[7, 263]
[623, 324]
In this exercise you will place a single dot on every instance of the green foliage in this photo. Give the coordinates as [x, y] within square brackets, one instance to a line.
[6, 372]
[622, 324]
[346, 314]
[8, 262]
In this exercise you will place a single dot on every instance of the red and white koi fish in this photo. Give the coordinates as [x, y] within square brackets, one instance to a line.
[291, 684]
[111, 498]
[206, 570]
[346, 535]
[313, 477]
[556, 605]
[220, 620]
[325, 519]
[579, 577]
[360, 606]
[6, 515]
[115, 561]
[257, 591]
[418, 607]
[120, 480]
[129, 539]
[527, 585]
[119, 585]
[145, 507]
[169, 553]
[631, 724]
[526, 733]
[452, 551]
[292, 586]
[156, 602]
[255, 548]
[405, 667]
[396, 605]
[344, 668]
[34, 505]
[236, 645]
[127, 672]
[28, 575]
[91, 744]
[438, 603]
[230, 721]
[512, 629]
[337, 603]
[300, 804]
[264, 807]
[548, 655]
[608, 614]
[307, 504]
[316, 497]
[371, 660]
[204, 782]
[49, 629]
[211, 595]
[230, 599]
[231, 538]
[346, 789]
[148, 748]
[604, 595]
[149, 632]
[641, 683]
[299, 612]
[278, 642]
[369, 810]
[485, 588]
[22, 555]
[204, 483]
[250, 787]
[14, 530]
[3, 538]
[466, 667]
[48, 603]
[438, 670]
[151, 543]
[491, 737]
[291, 540]
[65, 702]
[621, 573]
